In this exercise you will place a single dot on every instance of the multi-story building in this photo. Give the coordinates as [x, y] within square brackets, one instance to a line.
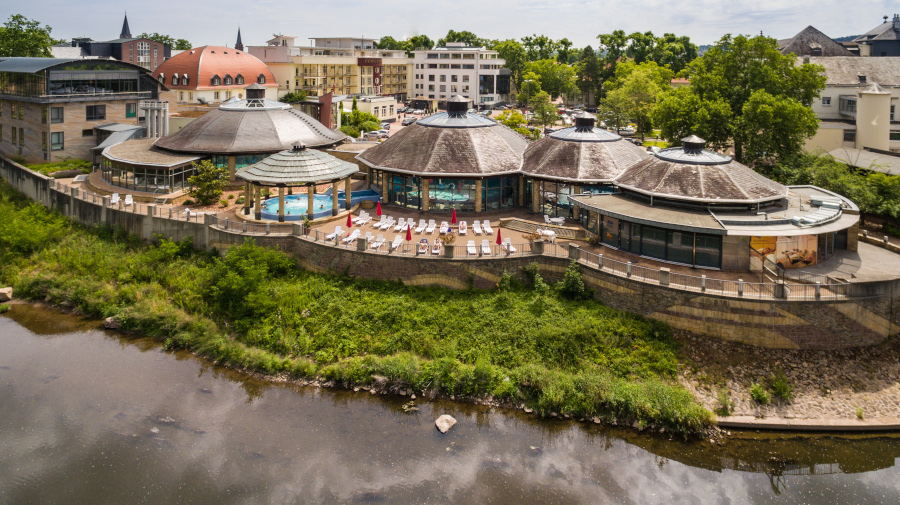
[51, 108]
[883, 40]
[143, 52]
[474, 73]
[338, 65]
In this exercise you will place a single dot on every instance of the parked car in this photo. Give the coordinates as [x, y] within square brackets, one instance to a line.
[386, 126]
[401, 109]
[408, 121]
[418, 111]
[592, 110]
[384, 132]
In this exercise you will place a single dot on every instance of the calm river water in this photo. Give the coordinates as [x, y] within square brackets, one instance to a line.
[90, 417]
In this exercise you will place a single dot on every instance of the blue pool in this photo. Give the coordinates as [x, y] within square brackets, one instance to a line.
[295, 205]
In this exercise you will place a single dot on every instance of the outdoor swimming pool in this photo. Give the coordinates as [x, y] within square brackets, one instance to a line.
[295, 206]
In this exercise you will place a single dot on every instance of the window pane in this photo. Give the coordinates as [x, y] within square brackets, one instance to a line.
[680, 247]
[709, 250]
[653, 242]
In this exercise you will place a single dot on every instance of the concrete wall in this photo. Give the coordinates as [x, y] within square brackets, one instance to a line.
[868, 317]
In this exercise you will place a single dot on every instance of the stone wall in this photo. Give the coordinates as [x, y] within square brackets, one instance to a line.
[868, 317]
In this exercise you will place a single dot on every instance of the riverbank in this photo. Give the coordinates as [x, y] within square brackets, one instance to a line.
[547, 348]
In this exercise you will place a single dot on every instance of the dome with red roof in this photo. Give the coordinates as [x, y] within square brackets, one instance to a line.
[214, 68]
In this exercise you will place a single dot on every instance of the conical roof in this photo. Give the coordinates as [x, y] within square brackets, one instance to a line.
[582, 153]
[250, 126]
[296, 167]
[691, 173]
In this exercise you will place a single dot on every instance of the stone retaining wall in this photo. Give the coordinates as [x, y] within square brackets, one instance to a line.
[862, 320]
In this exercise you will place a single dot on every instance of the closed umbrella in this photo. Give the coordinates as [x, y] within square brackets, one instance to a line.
[378, 209]
[453, 217]
[499, 240]
[408, 233]
[349, 220]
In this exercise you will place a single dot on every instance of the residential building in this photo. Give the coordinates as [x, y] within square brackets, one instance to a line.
[883, 40]
[139, 51]
[338, 65]
[474, 73]
[382, 107]
[214, 74]
[858, 108]
[51, 108]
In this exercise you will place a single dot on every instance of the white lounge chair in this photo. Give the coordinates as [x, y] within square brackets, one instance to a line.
[421, 227]
[350, 238]
[431, 226]
[369, 237]
[337, 233]
[387, 224]
[114, 199]
[485, 248]
[436, 248]
[463, 228]
[471, 250]
[129, 200]
[487, 227]
[401, 224]
[379, 241]
[423, 246]
[476, 227]
[507, 246]
[445, 228]
[381, 221]
[398, 241]
[363, 218]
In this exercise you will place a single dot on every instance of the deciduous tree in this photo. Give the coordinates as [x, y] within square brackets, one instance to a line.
[555, 78]
[176, 44]
[21, 36]
[207, 184]
[544, 111]
[516, 59]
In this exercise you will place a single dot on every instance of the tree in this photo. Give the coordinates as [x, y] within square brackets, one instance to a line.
[516, 59]
[207, 184]
[562, 50]
[176, 44]
[636, 92]
[468, 38]
[774, 127]
[587, 73]
[680, 113]
[21, 36]
[675, 52]
[516, 121]
[612, 47]
[293, 97]
[555, 78]
[418, 42]
[733, 70]
[539, 47]
[388, 42]
[544, 111]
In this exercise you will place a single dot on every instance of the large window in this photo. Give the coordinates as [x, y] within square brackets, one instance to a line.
[709, 251]
[57, 141]
[96, 112]
[446, 194]
[130, 109]
[261, 79]
[146, 179]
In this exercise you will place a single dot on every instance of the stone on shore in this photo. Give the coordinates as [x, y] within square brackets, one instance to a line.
[111, 323]
[5, 294]
[444, 423]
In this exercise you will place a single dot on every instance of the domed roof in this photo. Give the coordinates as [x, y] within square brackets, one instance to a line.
[453, 149]
[691, 173]
[297, 166]
[250, 126]
[582, 153]
[202, 64]
[456, 116]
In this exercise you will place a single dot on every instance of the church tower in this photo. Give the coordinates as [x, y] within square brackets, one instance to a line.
[239, 45]
[126, 32]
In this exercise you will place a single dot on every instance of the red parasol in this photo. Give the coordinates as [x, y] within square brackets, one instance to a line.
[378, 210]
[499, 240]
[349, 220]
[408, 234]
[453, 218]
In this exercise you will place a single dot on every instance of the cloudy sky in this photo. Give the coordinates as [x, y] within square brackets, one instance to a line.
[206, 22]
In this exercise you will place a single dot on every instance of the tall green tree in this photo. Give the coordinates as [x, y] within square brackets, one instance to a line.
[679, 113]
[544, 111]
[466, 37]
[555, 78]
[176, 44]
[516, 59]
[563, 47]
[774, 128]
[738, 68]
[587, 73]
[20, 36]
[388, 42]
[637, 87]
[612, 48]
[675, 52]
[539, 47]
[208, 182]
[418, 42]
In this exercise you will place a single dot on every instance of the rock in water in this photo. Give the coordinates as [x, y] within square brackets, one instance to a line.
[110, 323]
[444, 423]
[6, 294]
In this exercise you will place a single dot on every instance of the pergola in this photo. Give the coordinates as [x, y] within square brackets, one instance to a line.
[296, 167]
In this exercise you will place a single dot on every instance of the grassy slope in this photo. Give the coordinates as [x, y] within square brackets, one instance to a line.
[254, 308]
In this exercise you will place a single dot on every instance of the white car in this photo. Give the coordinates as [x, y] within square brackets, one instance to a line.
[385, 126]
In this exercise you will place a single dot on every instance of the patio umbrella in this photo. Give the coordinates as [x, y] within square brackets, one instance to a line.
[453, 217]
[499, 240]
[349, 220]
[408, 233]
[378, 209]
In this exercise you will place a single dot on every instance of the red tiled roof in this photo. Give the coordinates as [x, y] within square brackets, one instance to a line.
[202, 63]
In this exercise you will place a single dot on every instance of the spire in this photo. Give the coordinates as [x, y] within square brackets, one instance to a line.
[126, 32]
[239, 45]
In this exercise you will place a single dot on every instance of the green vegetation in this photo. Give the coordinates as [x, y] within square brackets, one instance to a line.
[62, 166]
[253, 308]
[726, 405]
[20, 36]
[779, 385]
[4, 308]
[759, 393]
[175, 44]
[293, 97]
[208, 183]
[859, 413]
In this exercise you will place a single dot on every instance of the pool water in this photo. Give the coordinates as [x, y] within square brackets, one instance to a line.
[295, 206]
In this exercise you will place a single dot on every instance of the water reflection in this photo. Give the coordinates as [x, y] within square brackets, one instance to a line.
[95, 418]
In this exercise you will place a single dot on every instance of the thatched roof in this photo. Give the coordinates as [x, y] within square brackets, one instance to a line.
[296, 167]
[812, 42]
[250, 126]
[691, 173]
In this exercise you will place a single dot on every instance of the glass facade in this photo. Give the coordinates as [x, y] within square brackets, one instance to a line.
[446, 193]
[146, 179]
[554, 196]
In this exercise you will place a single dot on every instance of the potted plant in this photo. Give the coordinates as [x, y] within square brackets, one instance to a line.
[447, 243]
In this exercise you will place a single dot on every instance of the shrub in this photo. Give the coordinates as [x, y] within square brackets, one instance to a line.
[223, 202]
[350, 131]
[4, 308]
[759, 393]
[240, 200]
[859, 413]
[188, 202]
[231, 197]
[780, 386]
[726, 406]
[572, 285]
[208, 182]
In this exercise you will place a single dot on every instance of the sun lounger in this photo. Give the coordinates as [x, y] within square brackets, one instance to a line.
[350, 238]
[423, 246]
[487, 227]
[421, 227]
[431, 226]
[507, 246]
[476, 227]
[463, 228]
[362, 219]
[379, 241]
[398, 241]
[387, 224]
[337, 233]
[114, 199]
[485, 248]
[445, 227]
[381, 221]
[436, 248]
[401, 225]
[129, 200]
[471, 250]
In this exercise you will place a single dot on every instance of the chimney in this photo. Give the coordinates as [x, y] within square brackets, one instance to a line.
[896, 23]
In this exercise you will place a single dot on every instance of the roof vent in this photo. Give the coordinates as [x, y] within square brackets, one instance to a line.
[862, 79]
[897, 22]
[299, 147]
[457, 106]
[585, 121]
[693, 144]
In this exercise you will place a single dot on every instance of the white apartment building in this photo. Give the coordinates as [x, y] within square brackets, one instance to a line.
[338, 65]
[475, 73]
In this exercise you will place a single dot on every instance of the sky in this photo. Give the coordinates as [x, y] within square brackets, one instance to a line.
[204, 22]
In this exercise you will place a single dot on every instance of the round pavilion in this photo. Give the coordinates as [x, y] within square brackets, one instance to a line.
[450, 160]
[298, 166]
[575, 160]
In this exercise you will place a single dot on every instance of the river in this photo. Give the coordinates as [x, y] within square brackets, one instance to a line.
[92, 417]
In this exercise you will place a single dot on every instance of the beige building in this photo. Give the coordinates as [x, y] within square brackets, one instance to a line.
[858, 108]
[382, 107]
[341, 65]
